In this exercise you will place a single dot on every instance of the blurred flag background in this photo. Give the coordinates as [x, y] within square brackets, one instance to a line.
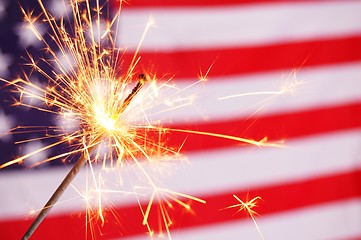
[306, 58]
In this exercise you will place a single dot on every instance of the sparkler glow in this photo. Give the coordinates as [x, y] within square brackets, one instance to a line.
[98, 104]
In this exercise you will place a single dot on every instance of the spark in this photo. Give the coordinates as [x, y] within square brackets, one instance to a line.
[289, 87]
[31, 23]
[247, 206]
[204, 77]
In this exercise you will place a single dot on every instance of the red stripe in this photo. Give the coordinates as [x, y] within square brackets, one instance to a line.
[199, 3]
[353, 238]
[276, 199]
[275, 127]
[241, 60]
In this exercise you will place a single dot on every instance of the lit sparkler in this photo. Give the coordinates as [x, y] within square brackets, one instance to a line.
[98, 105]
[80, 163]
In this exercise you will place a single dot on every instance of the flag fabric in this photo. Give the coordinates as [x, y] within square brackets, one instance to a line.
[288, 71]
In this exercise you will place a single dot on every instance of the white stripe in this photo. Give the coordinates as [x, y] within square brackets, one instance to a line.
[207, 173]
[318, 87]
[340, 220]
[178, 28]
[245, 168]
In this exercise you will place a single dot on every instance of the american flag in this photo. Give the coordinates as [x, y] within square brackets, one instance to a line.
[310, 188]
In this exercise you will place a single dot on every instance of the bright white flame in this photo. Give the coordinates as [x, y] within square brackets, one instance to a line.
[103, 118]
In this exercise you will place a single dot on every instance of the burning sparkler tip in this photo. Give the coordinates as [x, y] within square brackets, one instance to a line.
[142, 77]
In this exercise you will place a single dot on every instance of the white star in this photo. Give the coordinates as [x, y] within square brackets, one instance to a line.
[60, 8]
[36, 158]
[33, 95]
[7, 122]
[100, 31]
[2, 9]
[5, 62]
[67, 121]
[27, 36]
[65, 62]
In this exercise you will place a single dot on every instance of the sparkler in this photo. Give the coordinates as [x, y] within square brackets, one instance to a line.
[76, 168]
[88, 88]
